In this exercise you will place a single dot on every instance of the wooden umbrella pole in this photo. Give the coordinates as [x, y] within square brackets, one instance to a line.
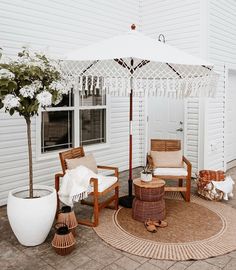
[130, 141]
[127, 200]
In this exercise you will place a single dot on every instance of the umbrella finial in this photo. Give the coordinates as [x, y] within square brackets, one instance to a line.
[133, 26]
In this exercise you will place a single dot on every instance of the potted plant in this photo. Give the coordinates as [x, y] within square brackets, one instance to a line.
[27, 83]
[146, 173]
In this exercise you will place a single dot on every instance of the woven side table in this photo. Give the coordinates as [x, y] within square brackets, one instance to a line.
[149, 200]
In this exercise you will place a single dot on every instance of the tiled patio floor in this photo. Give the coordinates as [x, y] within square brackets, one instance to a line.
[92, 253]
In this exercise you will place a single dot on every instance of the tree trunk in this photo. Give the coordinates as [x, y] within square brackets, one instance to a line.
[28, 123]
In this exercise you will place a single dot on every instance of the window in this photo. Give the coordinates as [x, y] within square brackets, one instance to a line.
[92, 119]
[57, 130]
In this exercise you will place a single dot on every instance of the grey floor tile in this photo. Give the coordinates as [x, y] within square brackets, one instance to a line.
[52, 258]
[231, 265]
[91, 265]
[138, 259]
[187, 263]
[113, 266]
[79, 258]
[103, 254]
[162, 264]
[10, 256]
[148, 266]
[66, 265]
[232, 254]
[219, 261]
[178, 266]
[127, 263]
[200, 265]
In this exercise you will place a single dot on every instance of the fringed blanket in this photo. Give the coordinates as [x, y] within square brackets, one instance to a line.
[75, 185]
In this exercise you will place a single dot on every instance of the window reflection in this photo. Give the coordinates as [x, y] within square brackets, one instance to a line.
[57, 131]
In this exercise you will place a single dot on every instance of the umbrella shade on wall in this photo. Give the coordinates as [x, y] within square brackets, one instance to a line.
[135, 64]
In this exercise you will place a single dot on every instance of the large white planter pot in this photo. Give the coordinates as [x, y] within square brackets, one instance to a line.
[32, 219]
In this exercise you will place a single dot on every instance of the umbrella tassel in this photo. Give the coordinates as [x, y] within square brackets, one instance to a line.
[91, 86]
[86, 84]
[97, 83]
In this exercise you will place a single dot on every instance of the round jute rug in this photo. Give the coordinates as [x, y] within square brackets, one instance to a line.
[196, 230]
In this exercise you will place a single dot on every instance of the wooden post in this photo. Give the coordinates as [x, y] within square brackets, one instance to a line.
[130, 143]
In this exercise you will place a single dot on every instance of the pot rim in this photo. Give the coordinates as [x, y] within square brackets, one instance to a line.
[35, 187]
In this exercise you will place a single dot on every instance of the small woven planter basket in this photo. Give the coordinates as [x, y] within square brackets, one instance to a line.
[204, 178]
[63, 241]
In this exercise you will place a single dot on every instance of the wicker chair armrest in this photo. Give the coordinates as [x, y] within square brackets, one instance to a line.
[115, 169]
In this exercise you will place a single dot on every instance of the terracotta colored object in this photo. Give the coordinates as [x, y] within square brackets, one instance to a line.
[63, 241]
[149, 200]
[67, 216]
[204, 178]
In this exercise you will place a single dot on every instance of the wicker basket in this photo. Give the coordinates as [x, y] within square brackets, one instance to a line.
[204, 178]
[149, 194]
[143, 210]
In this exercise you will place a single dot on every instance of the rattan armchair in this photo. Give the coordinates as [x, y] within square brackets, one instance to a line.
[97, 206]
[180, 174]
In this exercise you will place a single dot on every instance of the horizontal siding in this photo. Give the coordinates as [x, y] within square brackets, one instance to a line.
[191, 132]
[14, 159]
[222, 46]
[179, 21]
[57, 27]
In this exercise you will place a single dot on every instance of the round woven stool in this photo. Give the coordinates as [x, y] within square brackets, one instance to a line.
[149, 200]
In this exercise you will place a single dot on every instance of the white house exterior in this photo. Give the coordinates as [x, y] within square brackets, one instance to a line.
[203, 28]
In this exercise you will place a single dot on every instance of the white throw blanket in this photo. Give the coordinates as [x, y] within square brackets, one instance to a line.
[76, 186]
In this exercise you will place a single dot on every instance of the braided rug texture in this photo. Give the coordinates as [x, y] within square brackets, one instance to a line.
[223, 240]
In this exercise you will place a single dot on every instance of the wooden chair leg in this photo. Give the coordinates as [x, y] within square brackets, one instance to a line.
[116, 198]
[95, 211]
[188, 191]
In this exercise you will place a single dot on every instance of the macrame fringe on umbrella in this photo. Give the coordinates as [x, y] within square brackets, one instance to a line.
[153, 80]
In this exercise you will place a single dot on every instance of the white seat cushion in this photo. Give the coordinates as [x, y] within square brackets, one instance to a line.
[171, 171]
[106, 182]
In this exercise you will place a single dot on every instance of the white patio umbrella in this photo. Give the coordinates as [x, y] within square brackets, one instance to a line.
[135, 64]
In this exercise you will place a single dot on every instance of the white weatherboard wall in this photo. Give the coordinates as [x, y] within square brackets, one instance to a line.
[59, 26]
[230, 119]
[221, 51]
[180, 22]
[204, 28]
